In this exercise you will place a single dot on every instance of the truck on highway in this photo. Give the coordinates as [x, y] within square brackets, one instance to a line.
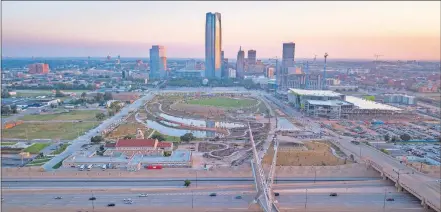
[89, 167]
[104, 167]
[82, 167]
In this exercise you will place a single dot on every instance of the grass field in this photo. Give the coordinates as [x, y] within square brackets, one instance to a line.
[39, 162]
[60, 149]
[168, 137]
[64, 131]
[7, 143]
[36, 148]
[35, 93]
[223, 102]
[84, 115]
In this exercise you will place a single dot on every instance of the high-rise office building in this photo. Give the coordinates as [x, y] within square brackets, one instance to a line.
[38, 68]
[213, 46]
[287, 62]
[251, 57]
[158, 62]
[240, 63]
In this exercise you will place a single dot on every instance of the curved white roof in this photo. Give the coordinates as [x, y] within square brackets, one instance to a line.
[366, 104]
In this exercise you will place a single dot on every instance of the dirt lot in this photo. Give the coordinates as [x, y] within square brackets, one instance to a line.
[207, 147]
[128, 128]
[318, 154]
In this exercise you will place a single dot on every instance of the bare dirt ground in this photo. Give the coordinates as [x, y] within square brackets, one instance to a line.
[317, 154]
[128, 128]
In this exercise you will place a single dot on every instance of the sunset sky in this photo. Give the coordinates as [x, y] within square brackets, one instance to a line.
[353, 30]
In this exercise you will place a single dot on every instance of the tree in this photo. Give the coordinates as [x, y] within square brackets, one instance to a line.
[116, 106]
[100, 116]
[187, 137]
[129, 137]
[108, 96]
[187, 183]
[102, 148]
[167, 154]
[386, 137]
[99, 97]
[6, 110]
[5, 93]
[14, 108]
[96, 139]
[58, 93]
[393, 139]
[405, 137]
[83, 96]
[158, 136]
[352, 157]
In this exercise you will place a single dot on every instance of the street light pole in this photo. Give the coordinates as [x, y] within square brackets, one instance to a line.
[93, 199]
[192, 200]
[315, 173]
[384, 201]
[306, 200]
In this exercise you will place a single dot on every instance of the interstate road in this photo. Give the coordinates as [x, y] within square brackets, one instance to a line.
[357, 199]
[171, 183]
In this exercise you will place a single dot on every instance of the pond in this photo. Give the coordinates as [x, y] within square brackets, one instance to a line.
[179, 132]
[285, 124]
[201, 123]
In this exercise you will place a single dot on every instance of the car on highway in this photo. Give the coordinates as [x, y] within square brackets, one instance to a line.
[58, 198]
[276, 194]
[92, 198]
[110, 204]
[213, 194]
[333, 194]
[143, 195]
[238, 197]
[390, 199]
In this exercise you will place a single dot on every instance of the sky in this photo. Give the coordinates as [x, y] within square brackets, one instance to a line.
[350, 30]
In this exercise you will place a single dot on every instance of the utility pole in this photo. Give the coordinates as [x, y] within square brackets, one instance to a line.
[306, 199]
[384, 201]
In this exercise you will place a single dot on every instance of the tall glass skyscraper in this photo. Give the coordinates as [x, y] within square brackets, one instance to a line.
[158, 62]
[213, 46]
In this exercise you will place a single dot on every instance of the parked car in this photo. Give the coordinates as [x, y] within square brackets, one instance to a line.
[276, 194]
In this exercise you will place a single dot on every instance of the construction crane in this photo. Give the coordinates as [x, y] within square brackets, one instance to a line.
[377, 56]
[324, 72]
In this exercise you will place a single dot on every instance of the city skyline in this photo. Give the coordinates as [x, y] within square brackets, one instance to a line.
[349, 30]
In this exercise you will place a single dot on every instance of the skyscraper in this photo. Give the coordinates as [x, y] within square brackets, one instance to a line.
[287, 62]
[251, 57]
[158, 62]
[213, 46]
[240, 63]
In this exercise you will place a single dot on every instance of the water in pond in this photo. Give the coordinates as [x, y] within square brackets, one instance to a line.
[178, 132]
[285, 124]
[200, 123]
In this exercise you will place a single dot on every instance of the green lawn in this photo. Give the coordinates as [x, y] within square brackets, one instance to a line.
[60, 149]
[36, 148]
[35, 93]
[39, 162]
[84, 115]
[168, 137]
[223, 102]
[7, 143]
[63, 131]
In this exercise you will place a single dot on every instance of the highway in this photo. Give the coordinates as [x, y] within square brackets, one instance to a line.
[352, 199]
[85, 139]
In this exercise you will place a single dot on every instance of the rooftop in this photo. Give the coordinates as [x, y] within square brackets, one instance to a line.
[329, 102]
[177, 156]
[135, 143]
[369, 105]
[314, 92]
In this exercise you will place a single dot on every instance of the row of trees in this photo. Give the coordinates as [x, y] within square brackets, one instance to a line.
[9, 109]
[403, 137]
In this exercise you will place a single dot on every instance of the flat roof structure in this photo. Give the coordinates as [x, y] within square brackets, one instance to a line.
[303, 92]
[369, 105]
[176, 157]
[329, 102]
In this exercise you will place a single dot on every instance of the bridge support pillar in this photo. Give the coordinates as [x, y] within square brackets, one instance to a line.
[383, 175]
[423, 203]
[399, 188]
